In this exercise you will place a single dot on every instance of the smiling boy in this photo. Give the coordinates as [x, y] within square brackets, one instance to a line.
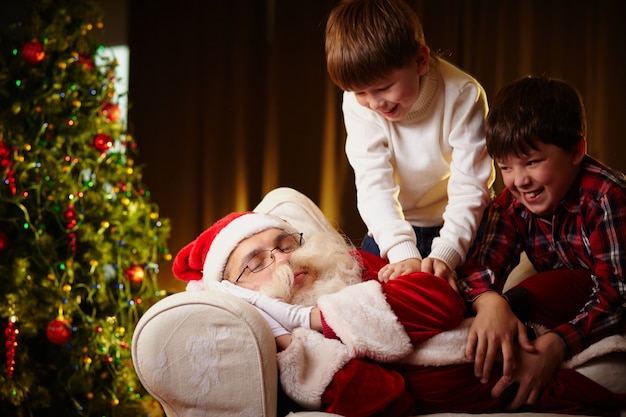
[415, 138]
[567, 211]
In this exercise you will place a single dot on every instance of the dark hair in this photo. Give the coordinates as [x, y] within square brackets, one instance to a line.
[533, 109]
[367, 39]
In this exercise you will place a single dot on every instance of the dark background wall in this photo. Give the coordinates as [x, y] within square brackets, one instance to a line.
[230, 98]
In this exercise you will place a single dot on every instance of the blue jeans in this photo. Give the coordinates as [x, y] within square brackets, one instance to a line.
[424, 235]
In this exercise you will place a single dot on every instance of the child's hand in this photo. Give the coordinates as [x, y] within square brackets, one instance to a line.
[534, 372]
[398, 269]
[495, 329]
[440, 268]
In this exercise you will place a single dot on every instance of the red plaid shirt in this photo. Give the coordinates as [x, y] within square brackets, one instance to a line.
[586, 231]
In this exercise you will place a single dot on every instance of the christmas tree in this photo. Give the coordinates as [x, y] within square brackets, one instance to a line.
[80, 242]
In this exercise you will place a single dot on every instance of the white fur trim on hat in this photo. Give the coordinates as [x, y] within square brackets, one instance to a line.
[229, 237]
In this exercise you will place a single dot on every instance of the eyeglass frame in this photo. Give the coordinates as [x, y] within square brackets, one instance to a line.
[272, 257]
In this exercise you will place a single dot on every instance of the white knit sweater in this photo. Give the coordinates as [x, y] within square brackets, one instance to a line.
[432, 168]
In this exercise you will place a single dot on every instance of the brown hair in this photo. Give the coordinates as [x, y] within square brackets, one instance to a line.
[533, 109]
[367, 39]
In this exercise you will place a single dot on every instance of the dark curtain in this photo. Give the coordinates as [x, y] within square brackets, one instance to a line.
[230, 98]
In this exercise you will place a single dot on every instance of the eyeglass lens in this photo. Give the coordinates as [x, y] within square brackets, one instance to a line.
[286, 244]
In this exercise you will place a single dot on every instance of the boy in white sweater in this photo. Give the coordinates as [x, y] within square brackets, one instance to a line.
[415, 139]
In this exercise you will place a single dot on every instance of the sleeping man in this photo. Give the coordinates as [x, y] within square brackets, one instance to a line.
[344, 338]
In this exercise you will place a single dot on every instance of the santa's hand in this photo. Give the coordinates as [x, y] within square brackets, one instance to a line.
[250, 297]
[289, 316]
[276, 327]
[233, 289]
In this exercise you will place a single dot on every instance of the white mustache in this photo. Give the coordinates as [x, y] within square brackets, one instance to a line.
[281, 283]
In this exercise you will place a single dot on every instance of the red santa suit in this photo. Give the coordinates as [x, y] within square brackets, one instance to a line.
[366, 325]
[363, 379]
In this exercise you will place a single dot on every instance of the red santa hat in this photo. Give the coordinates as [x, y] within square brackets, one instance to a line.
[205, 258]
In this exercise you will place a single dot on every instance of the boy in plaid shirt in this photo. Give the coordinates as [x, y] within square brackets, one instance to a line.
[567, 211]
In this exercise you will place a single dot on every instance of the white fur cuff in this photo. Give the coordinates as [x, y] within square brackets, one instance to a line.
[446, 348]
[360, 315]
[309, 364]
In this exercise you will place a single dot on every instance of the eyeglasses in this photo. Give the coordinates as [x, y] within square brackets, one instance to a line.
[264, 259]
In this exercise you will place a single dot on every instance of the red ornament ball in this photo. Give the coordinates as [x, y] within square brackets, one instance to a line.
[33, 52]
[111, 111]
[103, 142]
[4, 241]
[86, 62]
[135, 274]
[58, 331]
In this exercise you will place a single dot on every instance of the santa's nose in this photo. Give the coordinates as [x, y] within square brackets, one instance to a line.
[281, 257]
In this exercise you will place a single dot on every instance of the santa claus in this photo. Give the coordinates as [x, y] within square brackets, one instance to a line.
[342, 335]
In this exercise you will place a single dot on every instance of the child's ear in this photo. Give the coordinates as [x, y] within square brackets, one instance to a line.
[580, 151]
[422, 59]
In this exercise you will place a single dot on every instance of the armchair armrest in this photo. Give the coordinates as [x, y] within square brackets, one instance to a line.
[203, 353]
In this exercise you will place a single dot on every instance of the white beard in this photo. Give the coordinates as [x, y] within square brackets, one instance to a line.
[329, 262]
